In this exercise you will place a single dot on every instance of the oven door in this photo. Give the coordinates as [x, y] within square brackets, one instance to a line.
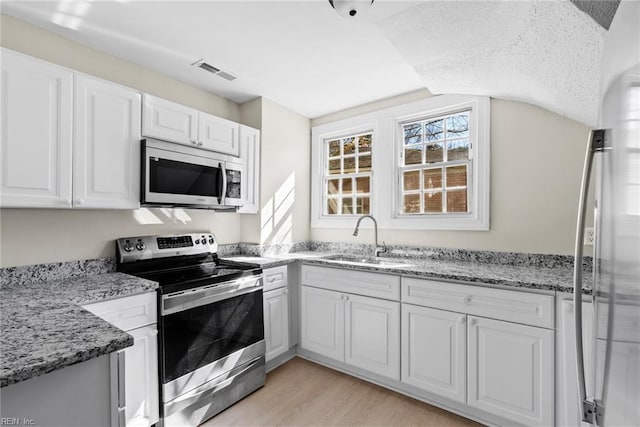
[180, 178]
[209, 331]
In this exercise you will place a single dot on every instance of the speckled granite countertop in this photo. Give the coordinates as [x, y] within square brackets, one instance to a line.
[43, 328]
[535, 277]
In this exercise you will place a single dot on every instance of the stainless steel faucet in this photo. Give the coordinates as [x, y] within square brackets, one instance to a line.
[378, 250]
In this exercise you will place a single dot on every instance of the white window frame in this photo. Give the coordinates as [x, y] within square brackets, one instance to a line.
[318, 190]
[387, 141]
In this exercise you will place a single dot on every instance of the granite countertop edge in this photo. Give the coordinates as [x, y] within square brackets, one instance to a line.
[45, 328]
[532, 278]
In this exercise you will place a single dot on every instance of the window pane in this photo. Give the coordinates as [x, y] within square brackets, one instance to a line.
[412, 134]
[457, 176]
[411, 203]
[347, 206]
[362, 205]
[334, 148]
[347, 186]
[434, 153]
[334, 166]
[364, 163]
[362, 184]
[413, 155]
[333, 186]
[349, 145]
[332, 206]
[434, 131]
[411, 180]
[457, 201]
[364, 143]
[458, 125]
[433, 202]
[432, 178]
[349, 165]
[458, 150]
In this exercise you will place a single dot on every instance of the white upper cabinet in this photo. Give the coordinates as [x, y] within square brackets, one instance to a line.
[169, 121]
[36, 143]
[106, 149]
[250, 155]
[218, 134]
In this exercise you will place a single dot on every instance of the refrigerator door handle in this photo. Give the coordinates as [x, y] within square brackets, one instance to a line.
[592, 412]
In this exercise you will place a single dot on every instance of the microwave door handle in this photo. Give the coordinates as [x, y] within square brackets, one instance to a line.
[222, 182]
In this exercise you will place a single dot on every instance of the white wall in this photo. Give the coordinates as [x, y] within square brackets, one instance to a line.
[284, 188]
[30, 236]
[536, 166]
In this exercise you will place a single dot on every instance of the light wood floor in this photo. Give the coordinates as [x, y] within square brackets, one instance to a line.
[303, 393]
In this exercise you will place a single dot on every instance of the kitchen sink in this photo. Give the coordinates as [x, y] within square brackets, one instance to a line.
[361, 260]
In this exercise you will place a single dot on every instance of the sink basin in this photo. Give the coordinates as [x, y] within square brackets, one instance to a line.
[361, 260]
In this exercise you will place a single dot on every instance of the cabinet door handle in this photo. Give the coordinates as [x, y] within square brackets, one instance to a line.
[200, 143]
[286, 291]
[79, 201]
[473, 322]
[462, 319]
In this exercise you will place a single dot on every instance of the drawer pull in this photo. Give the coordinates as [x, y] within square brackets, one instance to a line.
[467, 300]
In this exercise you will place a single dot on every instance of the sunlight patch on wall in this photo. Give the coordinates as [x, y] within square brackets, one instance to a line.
[276, 215]
[145, 217]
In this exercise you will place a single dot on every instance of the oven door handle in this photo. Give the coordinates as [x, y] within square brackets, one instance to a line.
[181, 301]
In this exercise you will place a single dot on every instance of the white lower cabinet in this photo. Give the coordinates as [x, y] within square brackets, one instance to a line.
[141, 377]
[322, 318]
[276, 322]
[511, 370]
[357, 330]
[434, 347]
[371, 335]
[134, 370]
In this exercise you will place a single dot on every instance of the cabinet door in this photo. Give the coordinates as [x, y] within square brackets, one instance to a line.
[169, 121]
[250, 155]
[372, 335]
[434, 351]
[218, 134]
[106, 155]
[276, 322]
[141, 377]
[510, 370]
[322, 322]
[36, 133]
[567, 401]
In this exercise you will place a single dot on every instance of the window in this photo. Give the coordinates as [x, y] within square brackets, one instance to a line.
[434, 165]
[421, 165]
[347, 175]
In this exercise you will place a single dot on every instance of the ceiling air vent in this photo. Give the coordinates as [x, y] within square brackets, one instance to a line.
[214, 70]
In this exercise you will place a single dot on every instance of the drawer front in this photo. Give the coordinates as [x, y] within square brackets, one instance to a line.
[356, 282]
[129, 312]
[275, 278]
[513, 306]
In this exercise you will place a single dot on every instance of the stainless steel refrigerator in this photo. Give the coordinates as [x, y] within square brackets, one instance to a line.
[614, 155]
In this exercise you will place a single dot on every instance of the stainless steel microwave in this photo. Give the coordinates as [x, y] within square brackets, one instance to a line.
[175, 175]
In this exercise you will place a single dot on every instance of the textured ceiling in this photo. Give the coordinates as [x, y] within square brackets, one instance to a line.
[542, 52]
[301, 54]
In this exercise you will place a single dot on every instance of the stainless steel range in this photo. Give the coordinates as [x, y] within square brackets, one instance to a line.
[211, 331]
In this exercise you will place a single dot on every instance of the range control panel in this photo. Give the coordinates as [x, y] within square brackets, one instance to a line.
[137, 248]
